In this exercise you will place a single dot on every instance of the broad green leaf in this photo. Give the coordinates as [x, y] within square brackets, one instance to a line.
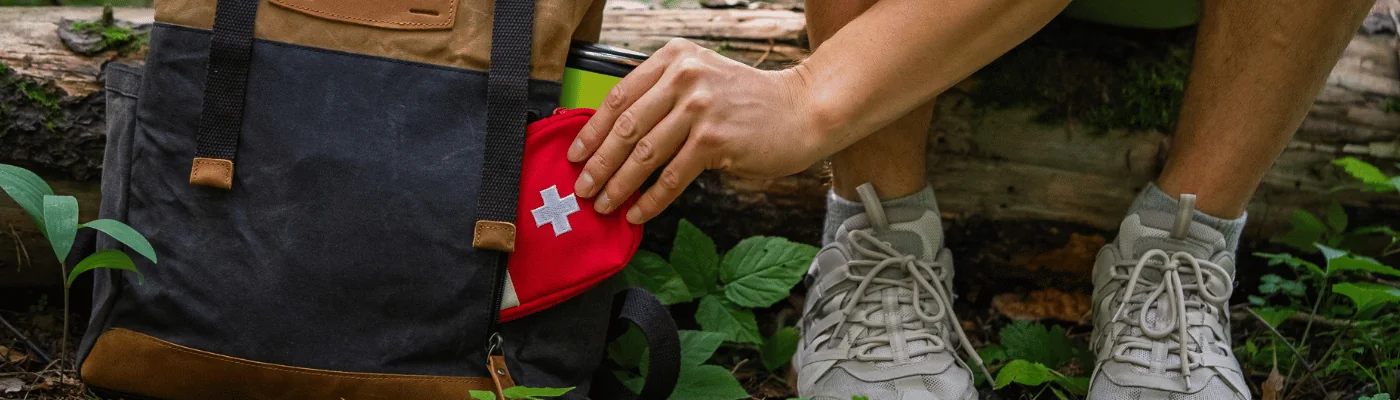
[627, 350]
[114, 259]
[715, 314]
[1291, 261]
[1379, 396]
[1359, 263]
[1274, 316]
[1023, 372]
[1384, 230]
[530, 393]
[1363, 171]
[698, 346]
[777, 351]
[635, 384]
[1329, 253]
[649, 271]
[483, 395]
[992, 354]
[1307, 229]
[1367, 295]
[1076, 385]
[707, 382]
[61, 223]
[1034, 342]
[28, 190]
[1274, 284]
[760, 271]
[124, 234]
[696, 260]
[1336, 217]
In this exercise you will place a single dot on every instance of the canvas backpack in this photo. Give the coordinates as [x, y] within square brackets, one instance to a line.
[338, 193]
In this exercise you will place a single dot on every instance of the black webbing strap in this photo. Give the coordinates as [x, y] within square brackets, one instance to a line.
[225, 86]
[636, 306]
[507, 88]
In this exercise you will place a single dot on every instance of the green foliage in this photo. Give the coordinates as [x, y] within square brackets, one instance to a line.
[521, 393]
[757, 272]
[1035, 352]
[1357, 295]
[114, 36]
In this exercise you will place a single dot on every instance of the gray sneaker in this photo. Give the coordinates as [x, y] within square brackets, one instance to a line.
[1161, 312]
[879, 319]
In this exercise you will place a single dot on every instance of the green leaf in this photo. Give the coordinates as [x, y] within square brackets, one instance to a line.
[28, 190]
[1336, 217]
[1307, 229]
[649, 271]
[760, 271]
[483, 395]
[529, 393]
[1274, 316]
[114, 259]
[1329, 253]
[1363, 171]
[1291, 261]
[1077, 385]
[992, 354]
[715, 314]
[707, 382]
[696, 260]
[1033, 342]
[1358, 263]
[61, 223]
[1274, 284]
[627, 350]
[125, 234]
[698, 346]
[1023, 372]
[1367, 295]
[777, 351]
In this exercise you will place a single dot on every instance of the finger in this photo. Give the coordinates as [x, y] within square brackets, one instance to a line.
[682, 170]
[650, 153]
[631, 126]
[622, 95]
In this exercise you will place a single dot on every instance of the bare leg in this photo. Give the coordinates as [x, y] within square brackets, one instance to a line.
[1258, 67]
[892, 159]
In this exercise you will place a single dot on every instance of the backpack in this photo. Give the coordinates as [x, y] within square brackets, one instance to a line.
[339, 193]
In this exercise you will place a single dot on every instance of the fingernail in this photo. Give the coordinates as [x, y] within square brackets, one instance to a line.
[601, 204]
[584, 185]
[634, 215]
[576, 151]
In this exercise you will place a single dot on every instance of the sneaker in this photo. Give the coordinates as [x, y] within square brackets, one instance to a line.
[878, 320]
[1161, 311]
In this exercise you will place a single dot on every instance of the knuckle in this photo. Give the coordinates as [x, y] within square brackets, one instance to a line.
[690, 69]
[670, 180]
[698, 100]
[626, 124]
[599, 165]
[645, 152]
[615, 99]
[678, 43]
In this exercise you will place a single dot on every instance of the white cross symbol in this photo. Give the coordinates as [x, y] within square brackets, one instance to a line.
[555, 210]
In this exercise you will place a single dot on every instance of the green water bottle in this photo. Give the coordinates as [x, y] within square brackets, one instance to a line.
[592, 70]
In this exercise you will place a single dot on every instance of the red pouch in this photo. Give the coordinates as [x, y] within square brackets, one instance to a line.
[562, 246]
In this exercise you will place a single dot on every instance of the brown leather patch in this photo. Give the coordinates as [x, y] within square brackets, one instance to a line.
[212, 172]
[494, 235]
[141, 365]
[500, 375]
[392, 14]
[466, 43]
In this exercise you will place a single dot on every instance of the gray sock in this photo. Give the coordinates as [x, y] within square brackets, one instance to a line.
[1153, 198]
[838, 210]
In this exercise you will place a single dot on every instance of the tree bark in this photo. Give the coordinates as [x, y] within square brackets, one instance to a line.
[987, 161]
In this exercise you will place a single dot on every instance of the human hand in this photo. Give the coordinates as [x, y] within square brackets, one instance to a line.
[699, 110]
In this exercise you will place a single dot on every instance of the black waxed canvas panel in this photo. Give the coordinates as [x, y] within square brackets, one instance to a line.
[345, 243]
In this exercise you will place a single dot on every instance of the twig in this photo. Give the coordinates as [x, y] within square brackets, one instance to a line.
[38, 352]
[22, 250]
[764, 57]
[736, 366]
[1296, 354]
[1300, 316]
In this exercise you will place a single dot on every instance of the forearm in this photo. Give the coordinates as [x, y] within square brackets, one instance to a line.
[900, 54]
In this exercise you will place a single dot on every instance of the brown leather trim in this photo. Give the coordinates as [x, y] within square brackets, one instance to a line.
[140, 365]
[467, 44]
[392, 14]
[212, 172]
[500, 375]
[494, 235]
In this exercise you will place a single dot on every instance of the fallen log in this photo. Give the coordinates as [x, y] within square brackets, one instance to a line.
[1041, 157]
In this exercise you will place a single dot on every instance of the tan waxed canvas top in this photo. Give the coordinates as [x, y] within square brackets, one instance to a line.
[454, 33]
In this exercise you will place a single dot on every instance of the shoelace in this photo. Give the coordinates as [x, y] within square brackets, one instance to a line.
[879, 256]
[1174, 291]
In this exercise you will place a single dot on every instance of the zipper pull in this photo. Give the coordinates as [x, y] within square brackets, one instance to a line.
[496, 365]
